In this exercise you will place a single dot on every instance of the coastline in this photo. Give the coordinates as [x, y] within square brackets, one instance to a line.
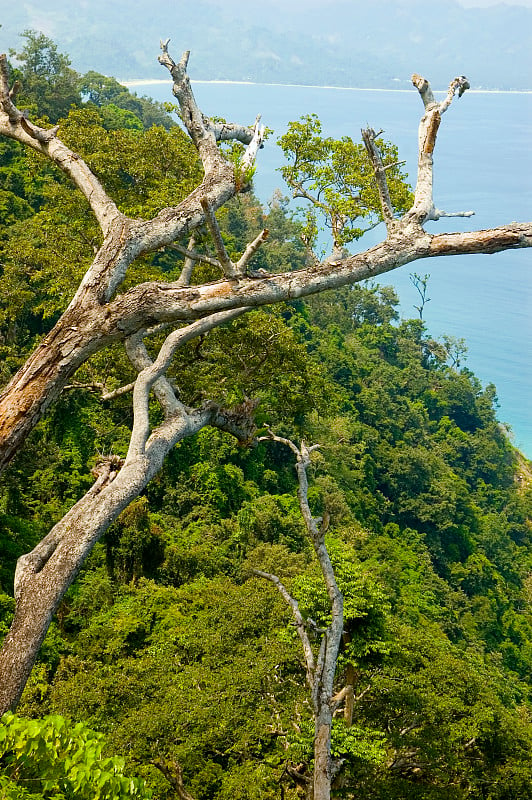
[161, 81]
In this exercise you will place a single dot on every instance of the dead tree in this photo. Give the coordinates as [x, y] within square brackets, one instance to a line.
[320, 667]
[99, 315]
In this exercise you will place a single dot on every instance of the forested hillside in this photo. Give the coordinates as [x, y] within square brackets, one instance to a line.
[168, 643]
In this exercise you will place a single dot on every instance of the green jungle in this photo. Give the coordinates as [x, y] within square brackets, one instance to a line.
[171, 670]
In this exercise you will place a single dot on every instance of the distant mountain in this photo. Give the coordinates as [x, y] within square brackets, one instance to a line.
[374, 44]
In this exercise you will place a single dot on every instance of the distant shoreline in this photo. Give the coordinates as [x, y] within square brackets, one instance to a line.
[160, 81]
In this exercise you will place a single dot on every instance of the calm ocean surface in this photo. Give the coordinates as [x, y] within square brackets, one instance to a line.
[483, 162]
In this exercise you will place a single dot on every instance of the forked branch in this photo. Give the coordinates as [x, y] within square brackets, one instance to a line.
[423, 208]
[322, 669]
[152, 375]
[202, 130]
[230, 269]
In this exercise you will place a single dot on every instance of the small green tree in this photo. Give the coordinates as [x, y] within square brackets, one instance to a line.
[54, 758]
[336, 178]
[49, 84]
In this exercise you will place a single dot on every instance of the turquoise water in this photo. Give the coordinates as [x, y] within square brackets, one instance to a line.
[483, 162]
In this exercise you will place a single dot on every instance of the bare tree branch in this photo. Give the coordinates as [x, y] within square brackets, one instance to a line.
[425, 91]
[43, 575]
[119, 392]
[226, 264]
[168, 302]
[97, 317]
[189, 262]
[173, 773]
[423, 208]
[13, 123]
[250, 251]
[437, 213]
[203, 132]
[301, 625]
[152, 376]
[250, 154]
[321, 675]
[97, 386]
[369, 136]
[193, 255]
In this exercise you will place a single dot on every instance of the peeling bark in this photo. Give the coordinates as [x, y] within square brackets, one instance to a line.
[423, 208]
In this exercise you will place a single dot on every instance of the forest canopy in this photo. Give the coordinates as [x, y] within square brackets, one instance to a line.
[168, 658]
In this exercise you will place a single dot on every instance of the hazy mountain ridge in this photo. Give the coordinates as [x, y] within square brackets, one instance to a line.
[337, 43]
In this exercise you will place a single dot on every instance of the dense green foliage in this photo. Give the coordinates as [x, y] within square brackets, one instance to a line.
[167, 643]
[51, 757]
[335, 178]
[50, 88]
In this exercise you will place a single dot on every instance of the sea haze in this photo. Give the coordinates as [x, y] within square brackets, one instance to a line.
[375, 44]
[482, 163]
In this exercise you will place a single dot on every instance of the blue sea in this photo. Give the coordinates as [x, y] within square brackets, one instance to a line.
[483, 163]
